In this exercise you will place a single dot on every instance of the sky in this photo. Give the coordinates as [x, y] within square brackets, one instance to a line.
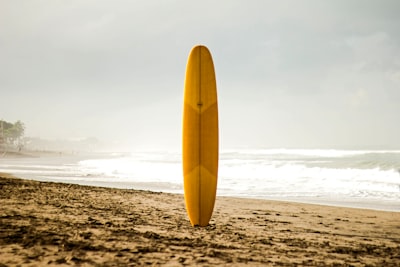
[290, 74]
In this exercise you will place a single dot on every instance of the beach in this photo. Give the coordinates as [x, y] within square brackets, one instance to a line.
[58, 224]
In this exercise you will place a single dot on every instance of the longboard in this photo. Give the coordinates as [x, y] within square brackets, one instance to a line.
[200, 136]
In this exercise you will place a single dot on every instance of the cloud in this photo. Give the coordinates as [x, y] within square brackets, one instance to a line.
[288, 72]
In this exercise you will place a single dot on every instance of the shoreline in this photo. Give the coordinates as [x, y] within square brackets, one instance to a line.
[65, 167]
[33, 153]
[62, 224]
[355, 203]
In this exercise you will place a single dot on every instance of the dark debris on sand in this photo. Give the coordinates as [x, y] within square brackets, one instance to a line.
[72, 225]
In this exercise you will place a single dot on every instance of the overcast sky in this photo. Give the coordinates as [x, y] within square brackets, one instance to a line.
[304, 74]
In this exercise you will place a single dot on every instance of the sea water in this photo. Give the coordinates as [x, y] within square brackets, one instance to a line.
[355, 178]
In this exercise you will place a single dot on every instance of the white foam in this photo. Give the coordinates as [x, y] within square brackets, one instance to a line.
[278, 173]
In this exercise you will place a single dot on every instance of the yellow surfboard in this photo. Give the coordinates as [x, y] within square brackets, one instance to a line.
[200, 136]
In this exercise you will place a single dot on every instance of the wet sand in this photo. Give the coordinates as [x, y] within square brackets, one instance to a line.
[53, 224]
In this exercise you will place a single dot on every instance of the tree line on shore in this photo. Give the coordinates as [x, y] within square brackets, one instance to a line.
[12, 133]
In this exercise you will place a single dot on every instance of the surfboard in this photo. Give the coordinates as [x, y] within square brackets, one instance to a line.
[200, 136]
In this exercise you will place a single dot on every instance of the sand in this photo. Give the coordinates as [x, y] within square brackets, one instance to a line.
[55, 224]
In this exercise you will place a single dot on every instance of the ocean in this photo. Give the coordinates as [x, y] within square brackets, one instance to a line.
[352, 178]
